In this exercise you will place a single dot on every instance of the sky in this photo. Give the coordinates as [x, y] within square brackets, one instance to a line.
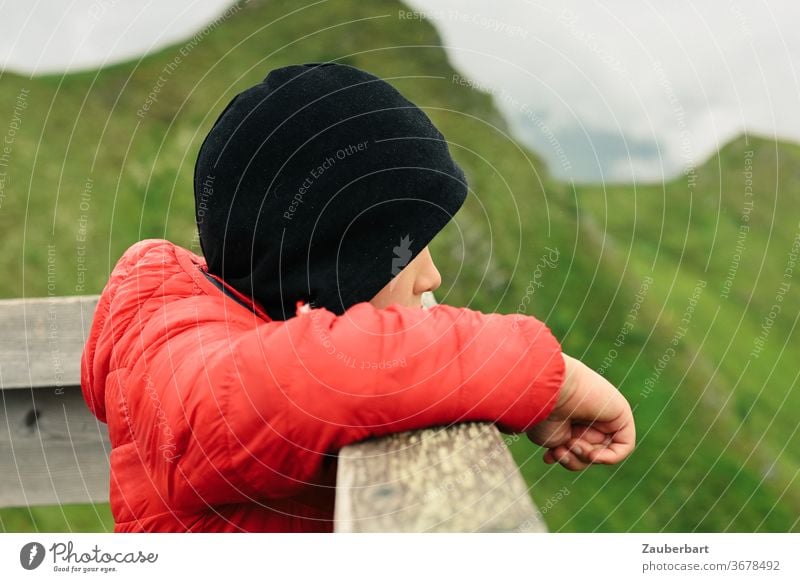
[52, 36]
[630, 89]
[616, 91]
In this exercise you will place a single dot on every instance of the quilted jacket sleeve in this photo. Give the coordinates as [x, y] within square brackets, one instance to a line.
[219, 413]
[266, 407]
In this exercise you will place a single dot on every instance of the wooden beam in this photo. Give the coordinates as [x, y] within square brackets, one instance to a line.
[52, 449]
[41, 340]
[456, 479]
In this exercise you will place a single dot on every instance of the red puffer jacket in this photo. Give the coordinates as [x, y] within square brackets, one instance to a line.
[223, 420]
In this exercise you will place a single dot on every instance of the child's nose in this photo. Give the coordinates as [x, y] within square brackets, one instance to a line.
[429, 281]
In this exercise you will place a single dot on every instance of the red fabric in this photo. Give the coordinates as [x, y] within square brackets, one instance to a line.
[221, 420]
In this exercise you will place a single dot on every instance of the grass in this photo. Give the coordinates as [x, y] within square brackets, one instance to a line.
[718, 439]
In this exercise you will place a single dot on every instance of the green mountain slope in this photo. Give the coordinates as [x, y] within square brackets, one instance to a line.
[717, 444]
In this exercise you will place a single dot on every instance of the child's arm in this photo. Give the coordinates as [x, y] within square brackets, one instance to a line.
[257, 415]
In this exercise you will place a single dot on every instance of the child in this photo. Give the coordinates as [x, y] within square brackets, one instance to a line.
[230, 382]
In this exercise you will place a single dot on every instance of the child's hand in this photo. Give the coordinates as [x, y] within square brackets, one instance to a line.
[591, 423]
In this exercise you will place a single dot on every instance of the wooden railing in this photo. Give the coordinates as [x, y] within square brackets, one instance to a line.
[54, 451]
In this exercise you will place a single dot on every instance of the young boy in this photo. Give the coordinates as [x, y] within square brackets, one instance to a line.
[229, 382]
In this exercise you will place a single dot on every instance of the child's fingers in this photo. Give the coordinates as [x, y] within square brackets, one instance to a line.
[591, 440]
[619, 447]
[581, 449]
[610, 455]
[568, 459]
[596, 447]
[589, 434]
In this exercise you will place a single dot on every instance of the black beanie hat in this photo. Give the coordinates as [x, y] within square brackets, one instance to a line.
[320, 184]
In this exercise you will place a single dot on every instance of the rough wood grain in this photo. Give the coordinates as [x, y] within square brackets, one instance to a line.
[41, 340]
[52, 450]
[456, 479]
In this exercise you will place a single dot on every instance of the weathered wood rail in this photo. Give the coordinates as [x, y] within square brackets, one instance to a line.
[54, 451]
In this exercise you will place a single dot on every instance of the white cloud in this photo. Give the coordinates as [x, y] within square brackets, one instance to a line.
[634, 71]
[41, 36]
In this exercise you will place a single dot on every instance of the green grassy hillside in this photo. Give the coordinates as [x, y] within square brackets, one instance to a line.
[717, 439]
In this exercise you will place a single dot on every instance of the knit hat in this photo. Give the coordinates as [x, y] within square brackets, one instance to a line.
[320, 184]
